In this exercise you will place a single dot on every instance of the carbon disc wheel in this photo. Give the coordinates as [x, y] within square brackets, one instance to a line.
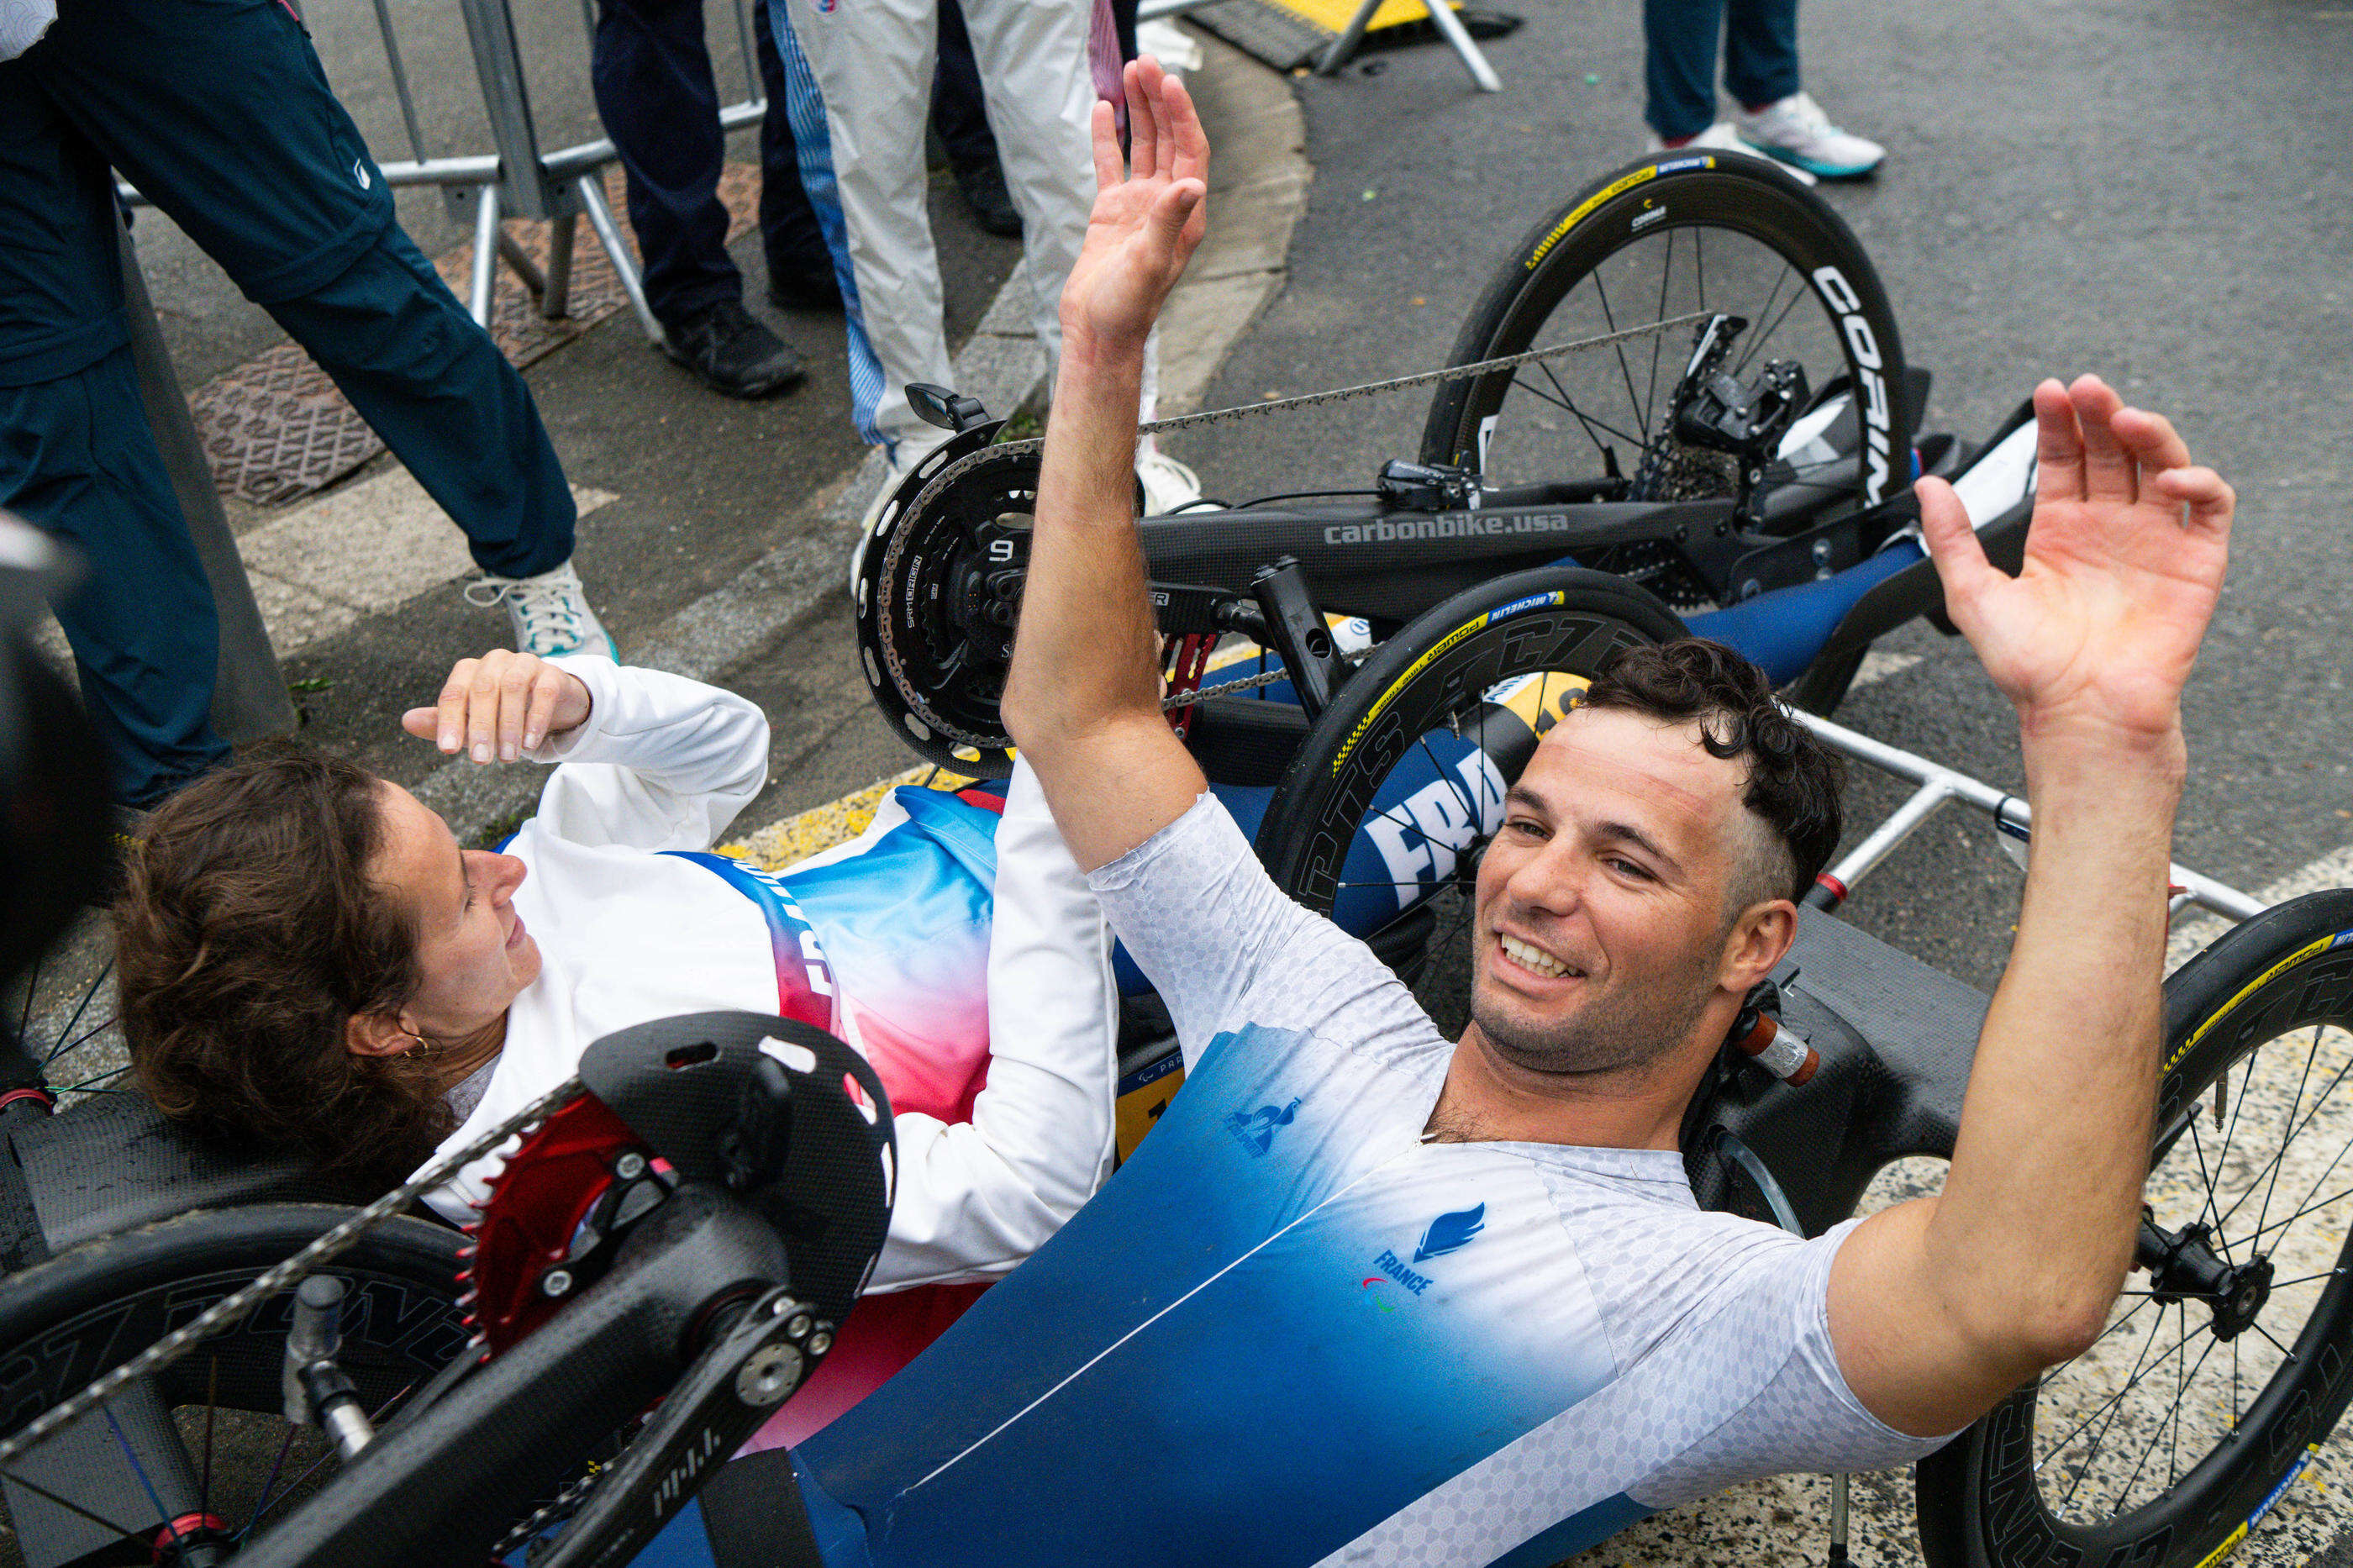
[2228, 1359]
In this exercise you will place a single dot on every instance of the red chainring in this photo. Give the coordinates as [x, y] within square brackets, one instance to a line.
[548, 1188]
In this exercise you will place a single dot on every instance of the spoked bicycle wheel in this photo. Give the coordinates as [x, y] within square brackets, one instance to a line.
[1399, 783]
[1679, 233]
[182, 1468]
[2223, 1363]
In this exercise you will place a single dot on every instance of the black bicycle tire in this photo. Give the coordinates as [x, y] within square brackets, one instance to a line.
[1979, 1506]
[1748, 196]
[127, 1290]
[1554, 619]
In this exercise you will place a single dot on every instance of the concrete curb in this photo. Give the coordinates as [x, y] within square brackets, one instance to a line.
[1258, 190]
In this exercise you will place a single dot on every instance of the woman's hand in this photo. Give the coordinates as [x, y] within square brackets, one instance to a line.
[500, 706]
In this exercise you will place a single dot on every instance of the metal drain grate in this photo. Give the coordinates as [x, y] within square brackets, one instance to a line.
[276, 430]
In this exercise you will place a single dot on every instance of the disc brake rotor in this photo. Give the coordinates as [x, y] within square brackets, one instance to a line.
[553, 1218]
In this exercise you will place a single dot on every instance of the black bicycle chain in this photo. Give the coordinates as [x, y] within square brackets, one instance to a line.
[186, 1337]
[948, 476]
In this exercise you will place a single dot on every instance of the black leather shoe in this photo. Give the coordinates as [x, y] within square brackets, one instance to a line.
[733, 353]
[983, 185]
[799, 292]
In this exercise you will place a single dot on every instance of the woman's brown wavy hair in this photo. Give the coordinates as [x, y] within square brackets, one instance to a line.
[247, 934]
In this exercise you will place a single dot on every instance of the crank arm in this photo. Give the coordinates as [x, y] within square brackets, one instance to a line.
[731, 1389]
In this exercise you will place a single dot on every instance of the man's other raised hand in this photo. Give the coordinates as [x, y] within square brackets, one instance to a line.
[1149, 215]
[2095, 639]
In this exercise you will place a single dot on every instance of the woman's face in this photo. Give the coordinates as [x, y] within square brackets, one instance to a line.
[472, 951]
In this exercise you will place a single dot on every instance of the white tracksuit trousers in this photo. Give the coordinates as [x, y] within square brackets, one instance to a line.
[859, 84]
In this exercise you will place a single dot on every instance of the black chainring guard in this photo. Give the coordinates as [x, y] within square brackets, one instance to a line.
[680, 1083]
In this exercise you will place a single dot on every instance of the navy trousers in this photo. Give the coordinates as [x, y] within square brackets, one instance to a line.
[1761, 57]
[651, 66]
[218, 113]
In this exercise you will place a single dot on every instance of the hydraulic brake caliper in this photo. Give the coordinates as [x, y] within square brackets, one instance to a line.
[1713, 411]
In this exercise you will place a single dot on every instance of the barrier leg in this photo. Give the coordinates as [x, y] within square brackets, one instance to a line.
[1343, 49]
[249, 697]
[1451, 28]
[556, 298]
[625, 267]
[486, 255]
[520, 263]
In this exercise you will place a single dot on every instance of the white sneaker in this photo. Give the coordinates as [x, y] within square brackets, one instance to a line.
[1797, 132]
[1722, 135]
[1169, 486]
[549, 613]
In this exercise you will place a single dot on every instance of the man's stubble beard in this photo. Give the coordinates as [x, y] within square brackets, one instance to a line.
[1627, 1029]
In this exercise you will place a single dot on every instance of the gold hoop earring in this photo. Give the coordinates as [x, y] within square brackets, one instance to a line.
[424, 1045]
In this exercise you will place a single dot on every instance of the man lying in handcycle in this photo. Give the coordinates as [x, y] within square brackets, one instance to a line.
[310, 963]
[1368, 1295]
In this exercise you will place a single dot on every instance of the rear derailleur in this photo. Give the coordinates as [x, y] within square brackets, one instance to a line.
[1714, 411]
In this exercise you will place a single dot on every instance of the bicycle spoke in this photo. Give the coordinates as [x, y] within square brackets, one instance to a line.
[1765, 336]
[212, 1405]
[65, 1034]
[1470, 806]
[2316, 1208]
[2284, 1350]
[138, 1471]
[144, 1543]
[32, 989]
[2317, 1181]
[2264, 1213]
[1566, 403]
[2114, 1401]
[1749, 352]
[269, 1487]
[2207, 1177]
[2292, 1131]
[101, 1078]
[1624, 370]
[1666, 275]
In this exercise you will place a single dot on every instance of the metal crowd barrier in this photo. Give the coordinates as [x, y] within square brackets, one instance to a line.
[516, 178]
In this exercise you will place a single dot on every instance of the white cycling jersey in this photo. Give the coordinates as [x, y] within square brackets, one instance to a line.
[632, 926]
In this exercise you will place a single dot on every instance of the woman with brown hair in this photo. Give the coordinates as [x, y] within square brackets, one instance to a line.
[312, 963]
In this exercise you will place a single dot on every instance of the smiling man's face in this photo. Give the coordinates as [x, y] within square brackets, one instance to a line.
[1605, 901]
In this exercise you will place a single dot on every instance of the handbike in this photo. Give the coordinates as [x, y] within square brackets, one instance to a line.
[1473, 682]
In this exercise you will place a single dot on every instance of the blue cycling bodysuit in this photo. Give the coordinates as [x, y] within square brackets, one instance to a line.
[1291, 1332]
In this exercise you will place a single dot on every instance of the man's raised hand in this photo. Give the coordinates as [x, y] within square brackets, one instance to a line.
[2096, 635]
[501, 705]
[1147, 218]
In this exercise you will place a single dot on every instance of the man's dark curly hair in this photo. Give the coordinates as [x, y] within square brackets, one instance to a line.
[247, 933]
[1793, 779]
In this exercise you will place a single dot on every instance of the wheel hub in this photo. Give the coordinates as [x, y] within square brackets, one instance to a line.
[2184, 1266]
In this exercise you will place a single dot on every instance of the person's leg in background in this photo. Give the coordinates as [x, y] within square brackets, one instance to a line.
[800, 267]
[220, 115]
[1776, 115]
[651, 71]
[858, 81]
[1679, 44]
[79, 460]
[1041, 97]
[960, 115]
